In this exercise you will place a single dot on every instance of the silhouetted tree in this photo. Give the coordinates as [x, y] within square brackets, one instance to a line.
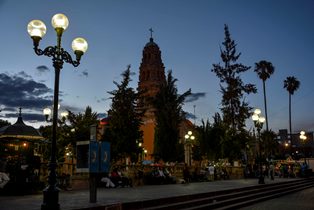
[291, 84]
[234, 107]
[80, 124]
[125, 120]
[269, 143]
[168, 105]
[71, 130]
[264, 70]
[4, 123]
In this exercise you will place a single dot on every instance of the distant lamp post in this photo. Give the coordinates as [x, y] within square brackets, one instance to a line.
[37, 29]
[303, 139]
[258, 123]
[140, 154]
[47, 113]
[145, 153]
[189, 138]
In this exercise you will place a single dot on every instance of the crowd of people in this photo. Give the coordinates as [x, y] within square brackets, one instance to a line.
[117, 178]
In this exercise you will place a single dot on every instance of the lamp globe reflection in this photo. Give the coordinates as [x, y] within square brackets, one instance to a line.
[37, 29]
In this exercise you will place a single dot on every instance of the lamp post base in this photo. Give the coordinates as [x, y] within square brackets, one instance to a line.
[51, 199]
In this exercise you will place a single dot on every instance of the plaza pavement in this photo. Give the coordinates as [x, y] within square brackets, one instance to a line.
[79, 199]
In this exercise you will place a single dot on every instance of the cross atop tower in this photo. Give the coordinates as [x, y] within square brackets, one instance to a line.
[20, 112]
[151, 33]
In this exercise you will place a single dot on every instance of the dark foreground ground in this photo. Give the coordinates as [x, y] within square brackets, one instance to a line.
[80, 199]
[303, 200]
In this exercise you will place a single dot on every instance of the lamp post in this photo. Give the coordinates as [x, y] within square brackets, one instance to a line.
[47, 113]
[303, 139]
[258, 123]
[37, 29]
[188, 147]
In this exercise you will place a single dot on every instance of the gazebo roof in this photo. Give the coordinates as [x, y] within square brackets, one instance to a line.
[20, 130]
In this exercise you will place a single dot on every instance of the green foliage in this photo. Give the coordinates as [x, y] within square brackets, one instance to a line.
[4, 123]
[291, 84]
[264, 69]
[210, 138]
[218, 141]
[270, 146]
[234, 107]
[68, 133]
[80, 124]
[125, 120]
[168, 104]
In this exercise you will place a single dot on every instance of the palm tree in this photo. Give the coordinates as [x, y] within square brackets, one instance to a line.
[264, 69]
[291, 84]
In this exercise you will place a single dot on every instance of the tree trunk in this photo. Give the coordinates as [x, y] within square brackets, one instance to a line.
[290, 130]
[265, 103]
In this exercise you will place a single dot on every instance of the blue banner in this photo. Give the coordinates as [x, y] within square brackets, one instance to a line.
[94, 157]
[104, 156]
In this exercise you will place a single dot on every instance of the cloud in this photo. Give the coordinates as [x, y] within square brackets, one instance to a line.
[32, 117]
[194, 97]
[190, 115]
[84, 73]
[101, 115]
[20, 90]
[42, 69]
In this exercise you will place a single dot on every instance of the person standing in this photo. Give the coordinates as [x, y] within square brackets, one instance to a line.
[271, 171]
[211, 171]
[186, 174]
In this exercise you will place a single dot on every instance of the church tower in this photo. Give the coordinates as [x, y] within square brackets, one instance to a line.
[151, 76]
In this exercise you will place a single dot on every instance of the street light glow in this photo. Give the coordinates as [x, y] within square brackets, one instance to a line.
[257, 111]
[60, 21]
[79, 44]
[261, 119]
[255, 117]
[36, 28]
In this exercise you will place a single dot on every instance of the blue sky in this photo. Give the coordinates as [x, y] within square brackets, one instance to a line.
[189, 34]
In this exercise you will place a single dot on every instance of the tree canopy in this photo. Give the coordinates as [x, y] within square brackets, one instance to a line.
[125, 120]
[234, 108]
[169, 115]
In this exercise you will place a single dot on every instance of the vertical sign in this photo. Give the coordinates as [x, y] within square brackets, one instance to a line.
[94, 157]
[104, 156]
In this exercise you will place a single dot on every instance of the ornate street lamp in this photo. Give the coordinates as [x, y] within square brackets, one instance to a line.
[258, 123]
[37, 29]
[188, 147]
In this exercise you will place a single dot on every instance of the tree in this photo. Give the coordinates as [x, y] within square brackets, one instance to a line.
[168, 111]
[125, 120]
[69, 133]
[269, 144]
[4, 123]
[291, 84]
[234, 108]
[264, 69]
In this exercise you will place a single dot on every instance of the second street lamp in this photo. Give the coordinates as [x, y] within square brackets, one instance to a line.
[37, 29]
[188, 147]
[303, 139]
[258, 123]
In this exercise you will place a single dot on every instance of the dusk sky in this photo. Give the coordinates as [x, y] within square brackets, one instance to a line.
[189, 34]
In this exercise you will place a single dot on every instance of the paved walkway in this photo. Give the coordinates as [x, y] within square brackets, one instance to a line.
[80, 199]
